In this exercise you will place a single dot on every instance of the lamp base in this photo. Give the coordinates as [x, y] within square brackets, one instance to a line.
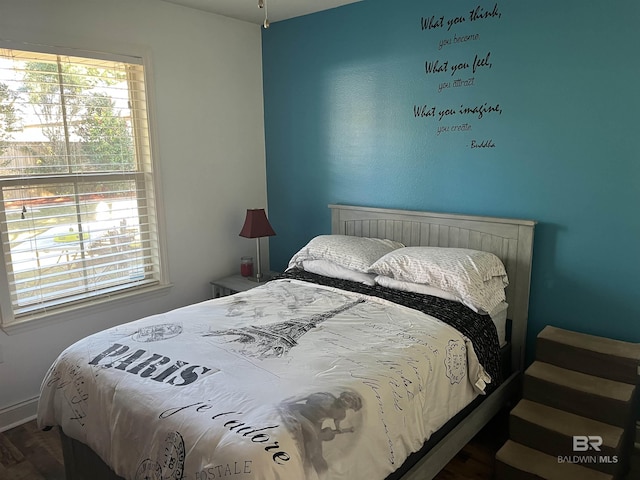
[264, 278]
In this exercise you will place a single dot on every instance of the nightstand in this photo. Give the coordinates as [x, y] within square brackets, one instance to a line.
[232, 284]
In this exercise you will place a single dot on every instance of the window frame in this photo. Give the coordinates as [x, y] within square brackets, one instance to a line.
[91, 304]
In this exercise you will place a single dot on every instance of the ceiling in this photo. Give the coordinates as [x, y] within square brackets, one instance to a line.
[249, 11]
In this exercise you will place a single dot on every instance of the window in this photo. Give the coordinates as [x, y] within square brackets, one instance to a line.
[77, 206]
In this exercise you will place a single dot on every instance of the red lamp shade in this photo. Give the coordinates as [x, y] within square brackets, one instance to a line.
[256, 224]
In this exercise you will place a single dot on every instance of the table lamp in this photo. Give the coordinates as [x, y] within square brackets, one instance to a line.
[256, 225]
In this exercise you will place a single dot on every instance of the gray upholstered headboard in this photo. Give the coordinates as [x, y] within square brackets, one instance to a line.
[510, 239]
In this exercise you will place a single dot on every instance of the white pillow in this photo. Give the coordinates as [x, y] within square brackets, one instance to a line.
[422, 288]
[477, 278]
[499, 318]
[353, 253]
[330, 269]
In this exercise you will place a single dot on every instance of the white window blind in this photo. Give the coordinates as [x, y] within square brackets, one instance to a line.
[77, 206]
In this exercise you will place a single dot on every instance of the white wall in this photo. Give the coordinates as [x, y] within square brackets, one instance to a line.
[207, 82]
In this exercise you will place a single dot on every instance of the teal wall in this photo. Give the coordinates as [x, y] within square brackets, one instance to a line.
[340, 88]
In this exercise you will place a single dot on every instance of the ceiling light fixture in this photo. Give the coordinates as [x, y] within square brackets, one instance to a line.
[263, 4]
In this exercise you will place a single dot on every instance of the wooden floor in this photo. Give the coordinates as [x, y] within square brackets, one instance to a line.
[27, 453]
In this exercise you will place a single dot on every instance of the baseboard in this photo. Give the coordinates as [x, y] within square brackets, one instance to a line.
[18, 414]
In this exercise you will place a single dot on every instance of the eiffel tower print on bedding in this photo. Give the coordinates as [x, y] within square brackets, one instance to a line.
[289, 380]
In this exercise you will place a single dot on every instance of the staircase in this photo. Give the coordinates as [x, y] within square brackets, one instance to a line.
[577, 418]
[635, 455]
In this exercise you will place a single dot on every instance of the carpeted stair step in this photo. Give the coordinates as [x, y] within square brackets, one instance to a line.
[602, 357]
[593, 397]
[517, 462]
[551, 431]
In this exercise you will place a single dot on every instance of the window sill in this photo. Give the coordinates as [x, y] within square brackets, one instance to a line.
[81, 310]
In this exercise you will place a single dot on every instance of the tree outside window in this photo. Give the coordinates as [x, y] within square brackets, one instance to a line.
[77, 218]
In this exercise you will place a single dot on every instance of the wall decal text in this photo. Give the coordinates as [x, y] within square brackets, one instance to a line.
[456, 74]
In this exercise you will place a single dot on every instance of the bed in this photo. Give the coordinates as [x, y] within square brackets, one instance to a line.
[306, 376]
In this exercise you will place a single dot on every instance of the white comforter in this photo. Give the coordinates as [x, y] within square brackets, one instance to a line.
[286, 381]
